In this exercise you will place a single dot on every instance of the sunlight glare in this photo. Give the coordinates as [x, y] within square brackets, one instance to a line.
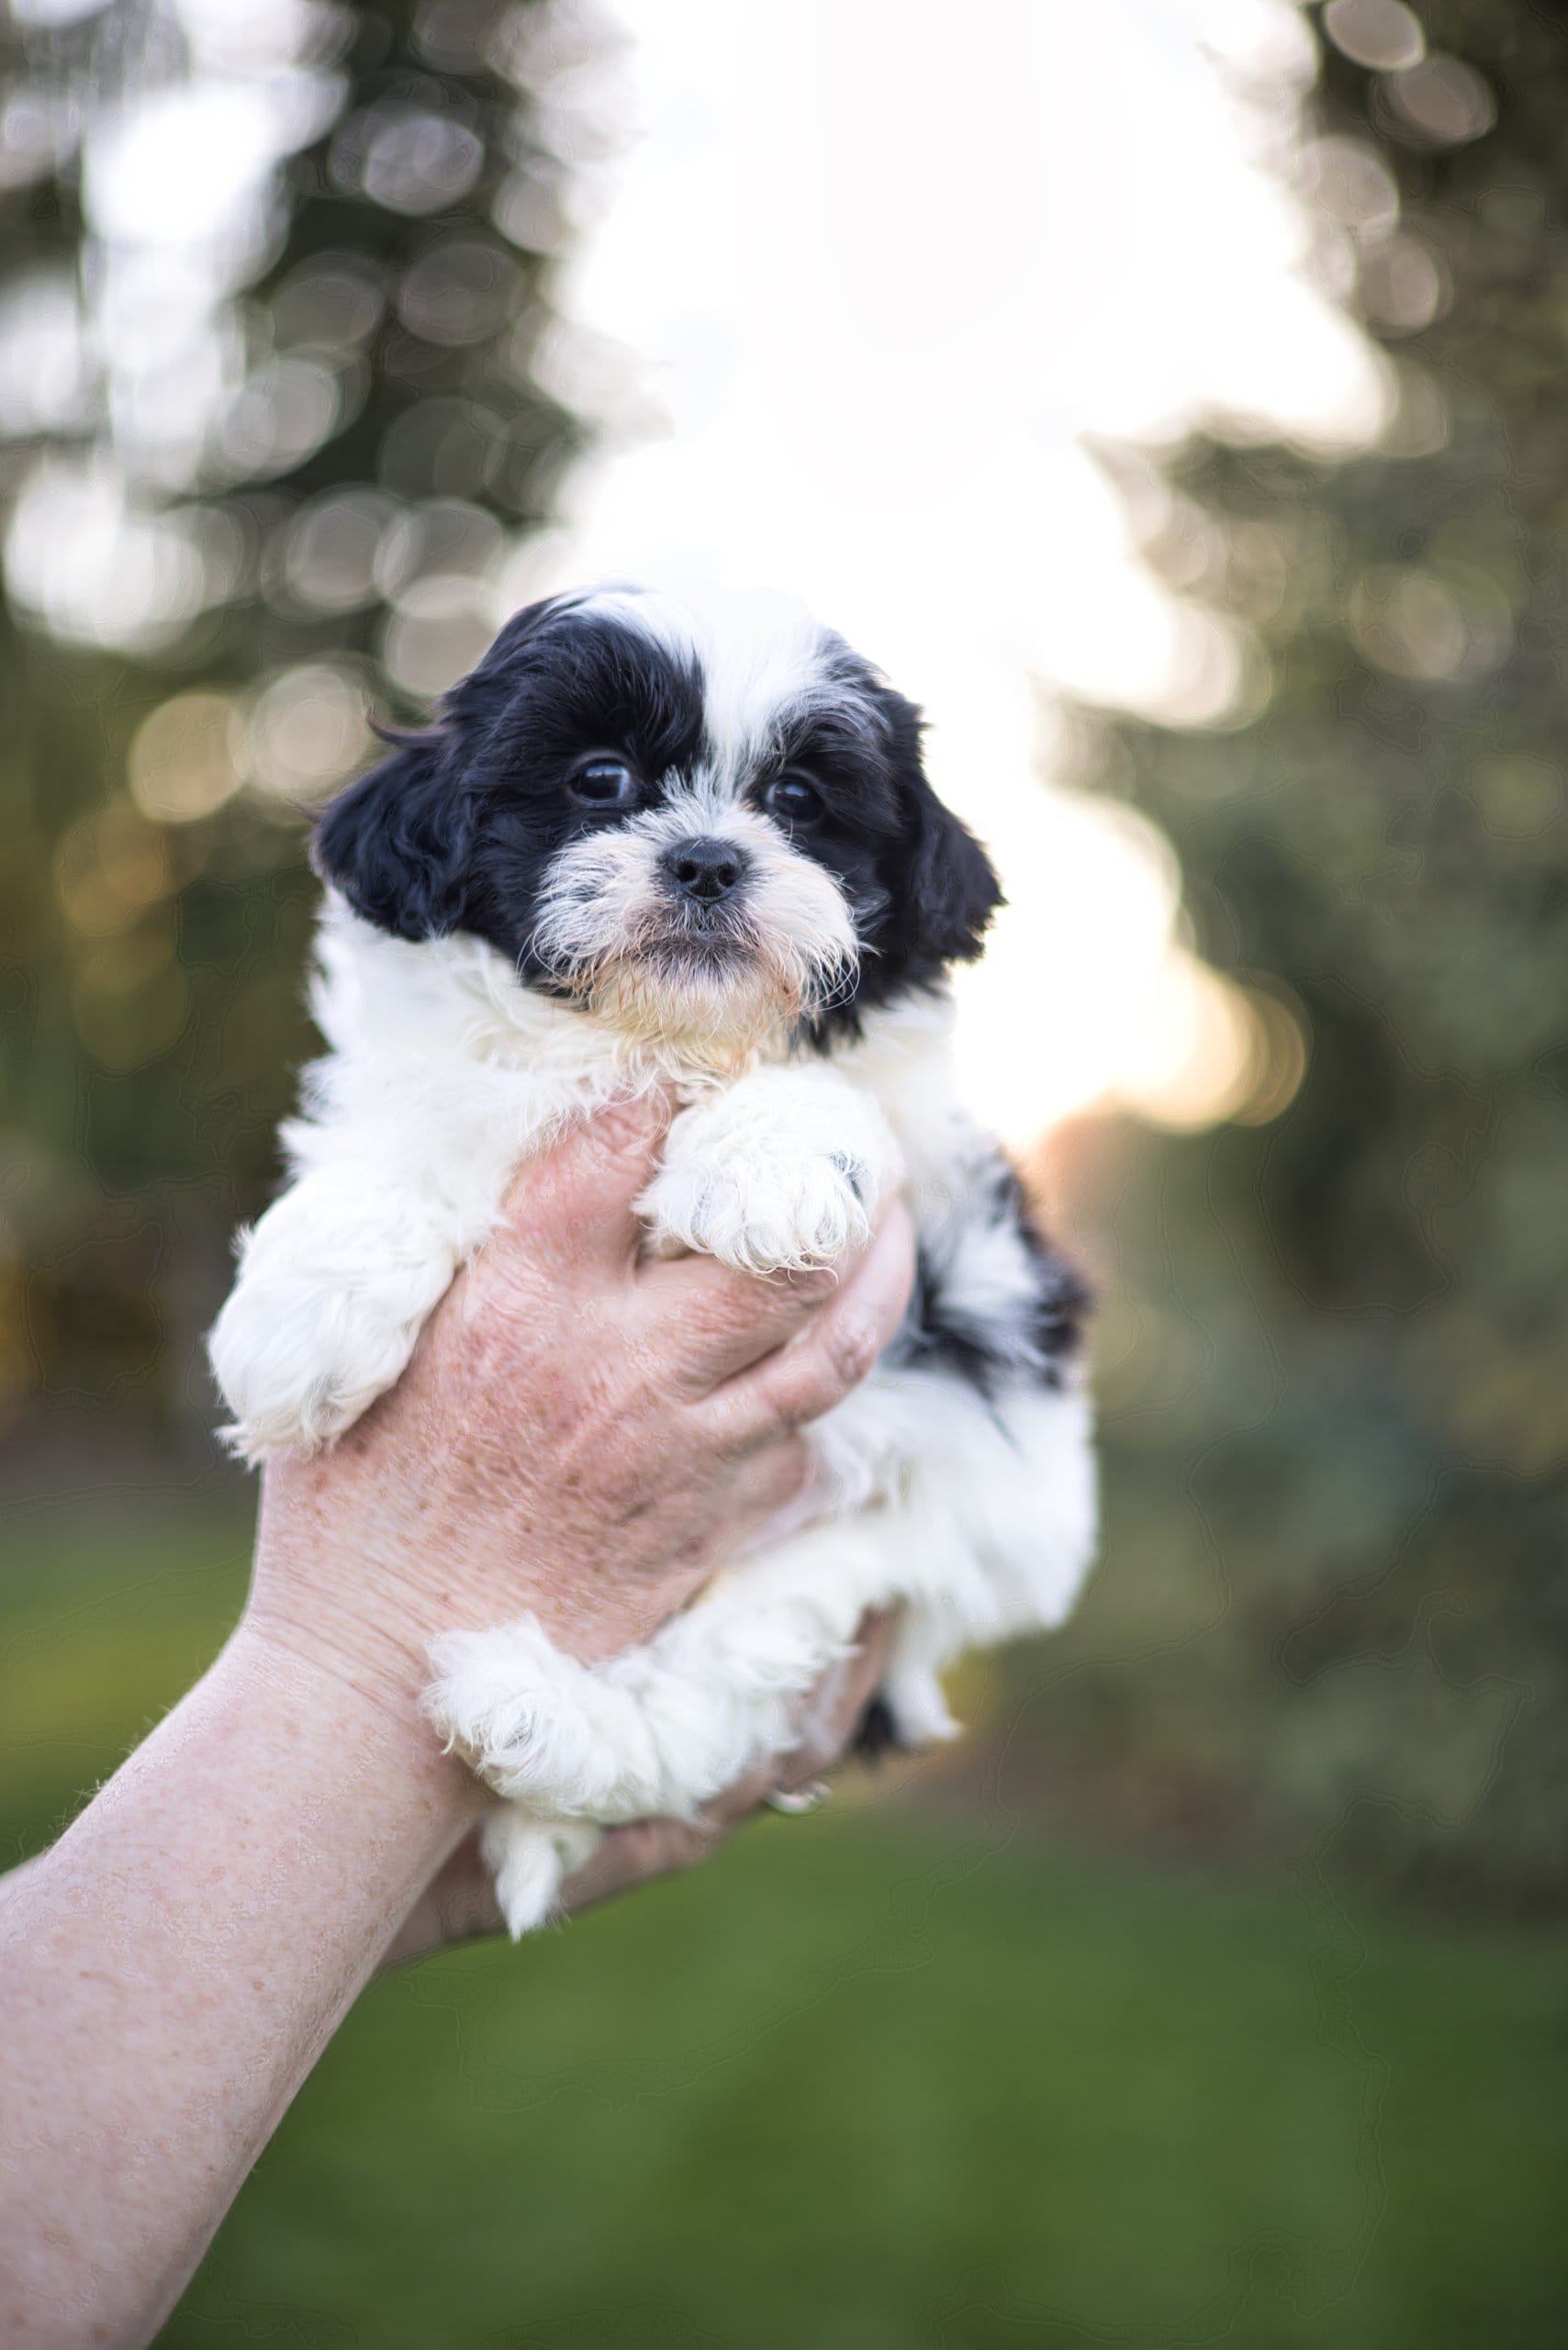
[877, 283]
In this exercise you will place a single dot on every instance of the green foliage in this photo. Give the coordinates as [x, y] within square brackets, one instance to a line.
[152, 971]
[1338, 1475]
[1332, 1346]
[868, 2080]
[878, 2084]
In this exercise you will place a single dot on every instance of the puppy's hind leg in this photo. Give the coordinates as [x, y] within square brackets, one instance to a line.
[530, 1860]
[656, 1731]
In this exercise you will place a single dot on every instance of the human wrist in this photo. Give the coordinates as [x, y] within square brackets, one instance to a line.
[331, 1585]
[354, 1731]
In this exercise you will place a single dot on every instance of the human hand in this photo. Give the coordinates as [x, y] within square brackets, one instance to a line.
[460, 1905]
[576, 1434]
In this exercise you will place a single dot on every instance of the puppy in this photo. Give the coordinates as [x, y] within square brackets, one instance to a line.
[658, 842]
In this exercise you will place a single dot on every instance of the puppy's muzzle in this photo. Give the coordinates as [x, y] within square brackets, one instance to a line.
[705, 868]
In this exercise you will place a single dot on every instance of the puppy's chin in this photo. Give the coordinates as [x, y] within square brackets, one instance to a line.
[721, 993]
[718, 977]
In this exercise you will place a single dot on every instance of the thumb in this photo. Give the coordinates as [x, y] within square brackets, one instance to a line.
[576, 1200]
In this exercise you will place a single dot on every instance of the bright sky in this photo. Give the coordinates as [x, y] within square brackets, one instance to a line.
[882, 268]
[859, 284]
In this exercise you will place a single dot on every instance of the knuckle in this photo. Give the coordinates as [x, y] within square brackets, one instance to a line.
[853, 1342]
[813, 1286]
[714, 1317]
[789, 1467]
[809, 1757]
[809, 1383]
[628, 1125]
[500, 1301]
[682, 1845]
[773, 1415]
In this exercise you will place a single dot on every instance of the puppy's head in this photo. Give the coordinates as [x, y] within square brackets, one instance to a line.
[708, 825]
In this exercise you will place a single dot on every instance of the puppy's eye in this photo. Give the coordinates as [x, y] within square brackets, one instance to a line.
[604, 783]
[794, 795]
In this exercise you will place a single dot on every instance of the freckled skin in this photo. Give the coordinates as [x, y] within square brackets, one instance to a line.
[549, 1398]
[171, 1968]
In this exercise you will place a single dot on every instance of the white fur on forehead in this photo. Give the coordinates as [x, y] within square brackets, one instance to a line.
[762, 657]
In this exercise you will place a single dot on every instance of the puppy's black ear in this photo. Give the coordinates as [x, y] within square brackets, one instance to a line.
[476, 699]
[397, 843]
[953, 887]
[947, 890]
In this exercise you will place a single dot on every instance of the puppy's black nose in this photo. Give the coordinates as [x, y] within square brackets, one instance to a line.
[705, 868]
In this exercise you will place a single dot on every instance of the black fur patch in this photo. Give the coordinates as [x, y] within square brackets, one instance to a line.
[876, 1733]
[1033, 1339]
[458, 828]
[1063, 1298]
[923, 888]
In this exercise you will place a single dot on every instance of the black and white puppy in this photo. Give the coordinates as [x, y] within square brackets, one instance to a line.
[655, 842]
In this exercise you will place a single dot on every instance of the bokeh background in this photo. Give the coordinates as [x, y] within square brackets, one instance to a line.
[1171, 392]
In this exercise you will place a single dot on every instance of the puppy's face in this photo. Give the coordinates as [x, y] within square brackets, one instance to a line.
[709, 828]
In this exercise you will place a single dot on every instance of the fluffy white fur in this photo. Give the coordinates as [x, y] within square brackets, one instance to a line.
[443, 1075]
[598, 929]
[760, 654]
[970, 1502]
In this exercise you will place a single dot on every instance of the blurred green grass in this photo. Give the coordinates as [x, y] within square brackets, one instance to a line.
[891, 2077]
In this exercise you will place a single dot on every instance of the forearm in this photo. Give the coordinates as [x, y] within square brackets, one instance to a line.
[172, 1969]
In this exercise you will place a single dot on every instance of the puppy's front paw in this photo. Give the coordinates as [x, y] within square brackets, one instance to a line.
[763, 1212]
[297, 1365]
[321, 1320]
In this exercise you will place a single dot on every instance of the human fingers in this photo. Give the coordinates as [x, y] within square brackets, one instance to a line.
[461, 1903]
[635, 1855]
[761, 1486]
[713, 1322]
[830, 1715]
[646, 1848]
[831, 1353]
[458, 1906]
[575, 1201]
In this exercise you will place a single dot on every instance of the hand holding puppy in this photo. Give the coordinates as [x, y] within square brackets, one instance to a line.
[683, 844]
[578, 1432]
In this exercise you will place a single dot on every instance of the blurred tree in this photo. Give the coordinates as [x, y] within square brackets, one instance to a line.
[1335, 1604]
[274, 294]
